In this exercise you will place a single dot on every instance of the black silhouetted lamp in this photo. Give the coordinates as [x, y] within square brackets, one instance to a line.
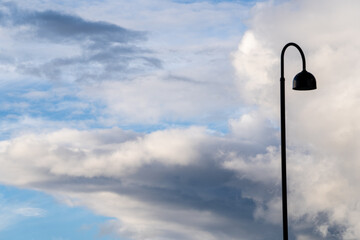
[302, 81]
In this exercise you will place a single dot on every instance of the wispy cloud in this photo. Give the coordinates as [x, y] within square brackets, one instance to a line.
[105, 50]
[13, 212]
[118, 75]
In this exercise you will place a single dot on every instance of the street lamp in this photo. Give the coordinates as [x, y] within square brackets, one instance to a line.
[302, 81]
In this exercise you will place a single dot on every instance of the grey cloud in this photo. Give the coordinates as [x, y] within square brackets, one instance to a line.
[204, 188]
[111, 63]
[108, 46]
[57, 26]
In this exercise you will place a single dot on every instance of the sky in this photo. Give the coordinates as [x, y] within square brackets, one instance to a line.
[159, 119]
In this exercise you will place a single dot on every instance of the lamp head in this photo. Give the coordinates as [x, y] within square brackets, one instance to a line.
[304, 81]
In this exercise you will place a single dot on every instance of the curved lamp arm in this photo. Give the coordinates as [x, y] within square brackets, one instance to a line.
[283, 53]
[283, 137]
[302, 81]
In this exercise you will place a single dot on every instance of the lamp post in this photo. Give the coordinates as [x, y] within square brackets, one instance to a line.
[302, 81]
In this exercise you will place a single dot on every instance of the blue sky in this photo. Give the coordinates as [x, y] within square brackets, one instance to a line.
[158, 119]
[35, 215]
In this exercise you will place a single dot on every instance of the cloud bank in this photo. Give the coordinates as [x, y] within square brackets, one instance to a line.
[176, 183]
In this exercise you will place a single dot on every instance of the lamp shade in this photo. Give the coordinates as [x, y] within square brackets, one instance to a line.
[304, 81]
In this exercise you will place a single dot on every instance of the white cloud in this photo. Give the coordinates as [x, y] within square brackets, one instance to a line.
[73, 153]
[322, 131]
[30, 212]
[157, 99]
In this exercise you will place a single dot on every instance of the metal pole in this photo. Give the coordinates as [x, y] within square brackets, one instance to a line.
[283, 159]
[283, 138]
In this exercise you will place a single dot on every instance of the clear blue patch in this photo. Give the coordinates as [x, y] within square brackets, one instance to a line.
[59, 222]
[66, 106]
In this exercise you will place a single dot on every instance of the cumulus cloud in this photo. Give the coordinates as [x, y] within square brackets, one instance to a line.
[166, 184]
[323, 152]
